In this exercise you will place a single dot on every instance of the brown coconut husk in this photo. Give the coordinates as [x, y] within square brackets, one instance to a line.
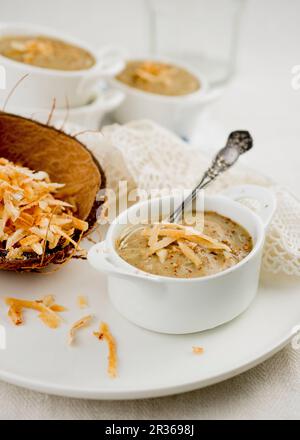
[66, 160]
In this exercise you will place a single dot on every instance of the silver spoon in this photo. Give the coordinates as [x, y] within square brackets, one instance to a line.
[238, 143]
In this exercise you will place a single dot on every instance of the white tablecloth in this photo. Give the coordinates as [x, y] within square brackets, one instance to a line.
[271, 390]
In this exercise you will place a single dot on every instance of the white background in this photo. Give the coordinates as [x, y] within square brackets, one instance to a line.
[260, 99]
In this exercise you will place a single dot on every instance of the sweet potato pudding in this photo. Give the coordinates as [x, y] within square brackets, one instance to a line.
[183, 251]
[159, 78]
[46, 52]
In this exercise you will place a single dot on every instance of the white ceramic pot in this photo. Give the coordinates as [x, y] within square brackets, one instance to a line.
[177, 113]
[88, 116]
[42, 86]
[174, 305]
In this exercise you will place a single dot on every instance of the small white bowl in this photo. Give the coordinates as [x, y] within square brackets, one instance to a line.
[88, 116]
[42, 86]
[176, 305]
[177, 113]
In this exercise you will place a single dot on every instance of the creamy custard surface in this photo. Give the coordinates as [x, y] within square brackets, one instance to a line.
[46, 52]
[159, 78]
[220, 245]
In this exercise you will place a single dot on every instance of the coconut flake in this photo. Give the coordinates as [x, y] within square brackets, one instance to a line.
[31, 218]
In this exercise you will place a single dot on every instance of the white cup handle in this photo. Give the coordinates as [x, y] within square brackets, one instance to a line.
[98, 257]
[266, 199]
[110, 61]
[110, 99]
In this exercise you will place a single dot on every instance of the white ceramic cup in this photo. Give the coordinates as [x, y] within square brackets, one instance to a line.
[177, 113]
[176, 305]
[42, 86]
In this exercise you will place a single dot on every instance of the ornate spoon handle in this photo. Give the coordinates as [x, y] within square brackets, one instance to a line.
[237, 144]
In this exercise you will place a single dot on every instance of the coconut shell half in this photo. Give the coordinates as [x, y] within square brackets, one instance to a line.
[66, 160]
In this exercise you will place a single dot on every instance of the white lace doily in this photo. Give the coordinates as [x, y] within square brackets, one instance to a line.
[149, 157]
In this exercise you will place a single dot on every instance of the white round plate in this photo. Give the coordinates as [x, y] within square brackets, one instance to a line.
[150, 364]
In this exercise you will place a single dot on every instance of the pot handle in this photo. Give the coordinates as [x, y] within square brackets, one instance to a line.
[266, 199]
[98, 257]
[111, 61]
[110, 99]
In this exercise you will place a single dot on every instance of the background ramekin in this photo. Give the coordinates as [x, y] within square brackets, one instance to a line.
[179, 306]
[177, 113]
[42, 86]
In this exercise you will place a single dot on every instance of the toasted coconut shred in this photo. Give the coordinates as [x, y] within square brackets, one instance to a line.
[82, 302]
[15, 314]
[31, 48]
[105, 334]
[46, 307]
[161, 235]
[83, 322]
[198, 350]
[31, 218]
[154, 72]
